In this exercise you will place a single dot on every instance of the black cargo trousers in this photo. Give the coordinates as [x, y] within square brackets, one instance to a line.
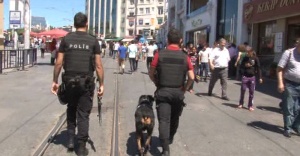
[79, 91]
[169, 105]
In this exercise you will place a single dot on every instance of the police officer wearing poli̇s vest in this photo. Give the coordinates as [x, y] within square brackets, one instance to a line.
[79, 55]
[168, 71]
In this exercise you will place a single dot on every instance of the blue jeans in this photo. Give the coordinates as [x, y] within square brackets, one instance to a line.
[291, 99]
[133, 66]
[204, 68]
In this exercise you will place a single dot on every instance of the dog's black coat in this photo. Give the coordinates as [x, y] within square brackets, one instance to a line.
[144, 109]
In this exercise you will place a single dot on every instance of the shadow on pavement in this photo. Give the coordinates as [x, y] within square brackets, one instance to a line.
[269, 87]
[260, 125]
[132, 145]
[44, 64]
[61, 138]
[271, 109]
[230, 105]
[146, 73]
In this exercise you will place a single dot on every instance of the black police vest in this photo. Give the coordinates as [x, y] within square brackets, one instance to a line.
[79, 54]
[172, 68]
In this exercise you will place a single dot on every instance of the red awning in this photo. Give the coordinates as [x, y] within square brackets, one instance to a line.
[54, 33]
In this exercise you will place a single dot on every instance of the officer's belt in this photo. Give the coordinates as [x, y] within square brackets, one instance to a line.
[66, 77]
[81, 74]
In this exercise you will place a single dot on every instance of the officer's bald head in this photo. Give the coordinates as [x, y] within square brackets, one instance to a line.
[80, 20]
[174, 37]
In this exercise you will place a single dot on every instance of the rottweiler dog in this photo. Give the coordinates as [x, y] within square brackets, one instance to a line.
[144, 121]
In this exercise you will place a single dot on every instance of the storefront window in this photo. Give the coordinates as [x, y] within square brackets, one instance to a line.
[293, 30]
[227, 20]
[197, 37]
[266, 38]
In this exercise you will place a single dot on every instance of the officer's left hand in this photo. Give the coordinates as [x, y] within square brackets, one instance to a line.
[54, 88]
[101, 91]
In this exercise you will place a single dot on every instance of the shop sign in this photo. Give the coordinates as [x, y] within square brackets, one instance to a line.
[196, 23]
[264, 9]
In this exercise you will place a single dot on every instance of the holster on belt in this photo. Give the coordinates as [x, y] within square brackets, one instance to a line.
[78, 80]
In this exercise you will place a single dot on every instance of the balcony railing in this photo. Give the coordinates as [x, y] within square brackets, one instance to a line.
[197, 12]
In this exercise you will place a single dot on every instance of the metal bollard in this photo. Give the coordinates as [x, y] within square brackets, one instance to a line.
[1, 53]
[23, 59]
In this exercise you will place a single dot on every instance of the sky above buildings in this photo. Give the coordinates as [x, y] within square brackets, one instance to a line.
[56, 12]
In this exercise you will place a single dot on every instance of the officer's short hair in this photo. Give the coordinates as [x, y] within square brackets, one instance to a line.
[80, 20]
[174, 36]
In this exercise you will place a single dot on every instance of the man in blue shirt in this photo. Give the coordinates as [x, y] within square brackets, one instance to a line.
[122, 50]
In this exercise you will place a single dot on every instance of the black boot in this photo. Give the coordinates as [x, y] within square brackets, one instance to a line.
[82, 151]
[71, 141]
[165, 147]
[165, 153]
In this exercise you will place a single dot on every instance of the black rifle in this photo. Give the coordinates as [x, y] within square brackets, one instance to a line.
[99, 109]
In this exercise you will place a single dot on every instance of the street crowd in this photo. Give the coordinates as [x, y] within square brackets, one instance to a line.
[168, 68]
[220, 61]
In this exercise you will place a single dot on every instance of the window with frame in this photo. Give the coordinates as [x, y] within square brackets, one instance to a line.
[140, 32]
[160, 10]
[141, 10]
[131, 2]
[147, 10]
[142, 1]
[122, 29]
[159, 20]
[153, 9]
[148, 1]
[130, 32]
[160, 1]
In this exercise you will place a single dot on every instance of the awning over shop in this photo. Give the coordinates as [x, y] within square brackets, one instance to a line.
[115, 39]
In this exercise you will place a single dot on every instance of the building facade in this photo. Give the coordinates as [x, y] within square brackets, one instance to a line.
[38, 23]
[125, 18]
[273, 26]
[142, 17]
[208, 20]
[1, 24]
[102, 17]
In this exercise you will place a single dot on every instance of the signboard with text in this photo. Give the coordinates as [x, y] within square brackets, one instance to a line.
[15, 19]
[263, 10]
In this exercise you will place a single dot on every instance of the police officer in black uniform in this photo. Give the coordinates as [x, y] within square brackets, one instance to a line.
[168, 71]
[79, 55]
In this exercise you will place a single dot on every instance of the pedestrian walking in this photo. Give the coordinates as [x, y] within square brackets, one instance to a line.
[132, 54]
[53, 51]
[116, 47]
[75, 53]
[168, 72]
[249, 67]
[288, 75]
[103, 48]
[121, 57]
[218, 61]
[203, 59]
[242, 53]
[150, 54]
[193, 57]
[43, 48]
